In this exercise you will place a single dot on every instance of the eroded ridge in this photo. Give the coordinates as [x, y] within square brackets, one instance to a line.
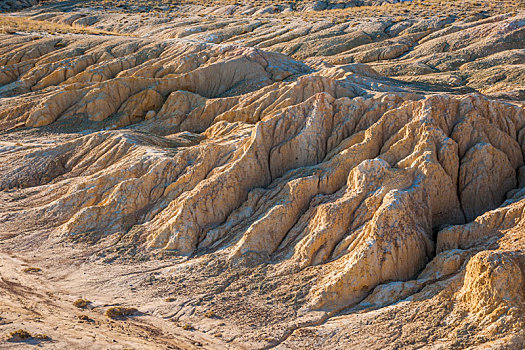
[323, 177]
[479, 49]
[350, 191]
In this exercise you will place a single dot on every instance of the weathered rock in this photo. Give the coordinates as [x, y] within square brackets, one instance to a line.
[494, 283]
[352, 189]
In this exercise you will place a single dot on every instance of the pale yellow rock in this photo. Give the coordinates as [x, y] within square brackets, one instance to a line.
[493, 283]
[360, 191]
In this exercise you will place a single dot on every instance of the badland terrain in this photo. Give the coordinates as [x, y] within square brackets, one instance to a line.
[289, 175]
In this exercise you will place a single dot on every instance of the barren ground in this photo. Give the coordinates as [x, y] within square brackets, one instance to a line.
[307, 175]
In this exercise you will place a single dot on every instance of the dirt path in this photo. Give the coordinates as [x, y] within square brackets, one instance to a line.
[42, 304]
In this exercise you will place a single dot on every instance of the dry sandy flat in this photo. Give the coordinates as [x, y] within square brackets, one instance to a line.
[316, 175]
[42, 303]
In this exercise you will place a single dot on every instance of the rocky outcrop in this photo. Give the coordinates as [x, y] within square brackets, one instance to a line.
[440, 47]
[321, 171]
[13, 5]
[494, 284]
[365, 191]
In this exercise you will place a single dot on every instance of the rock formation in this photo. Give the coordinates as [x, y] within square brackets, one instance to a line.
[10, 5]
[218, 146]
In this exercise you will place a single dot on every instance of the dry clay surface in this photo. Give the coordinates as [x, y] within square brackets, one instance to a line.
[244, 184]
